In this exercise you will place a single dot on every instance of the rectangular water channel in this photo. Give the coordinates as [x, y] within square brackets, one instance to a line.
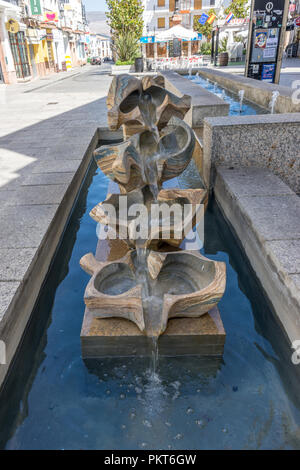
[235, 109]
[53, 400]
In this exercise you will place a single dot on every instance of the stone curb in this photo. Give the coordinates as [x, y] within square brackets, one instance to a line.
[271, 242]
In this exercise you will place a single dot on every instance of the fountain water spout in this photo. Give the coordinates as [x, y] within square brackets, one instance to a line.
[273, 100]
[241, 98]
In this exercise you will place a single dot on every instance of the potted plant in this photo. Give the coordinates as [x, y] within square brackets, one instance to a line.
[127, 49]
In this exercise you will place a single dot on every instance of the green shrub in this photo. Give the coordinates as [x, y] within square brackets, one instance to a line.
[223, 45]
[126, 47]
[205, 48]
[126, 62]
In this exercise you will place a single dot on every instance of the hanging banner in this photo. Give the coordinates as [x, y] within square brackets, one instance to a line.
[35, 6]
[50, 17]
[203, 18]
[211, 19]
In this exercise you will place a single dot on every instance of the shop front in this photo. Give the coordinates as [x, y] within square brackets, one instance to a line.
[173, 43]
[18, 47]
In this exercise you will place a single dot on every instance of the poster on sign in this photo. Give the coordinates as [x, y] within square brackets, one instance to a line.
[268, 71]
[261, 39]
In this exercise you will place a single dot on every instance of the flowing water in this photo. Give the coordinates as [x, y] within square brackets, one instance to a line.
[54, 400]
[232, 99]
[273, 100]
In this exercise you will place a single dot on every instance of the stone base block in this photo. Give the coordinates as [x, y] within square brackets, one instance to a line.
[115, 337]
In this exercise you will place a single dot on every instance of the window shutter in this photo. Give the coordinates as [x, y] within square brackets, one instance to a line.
[197, 4]
[171, 5]
[160, 22]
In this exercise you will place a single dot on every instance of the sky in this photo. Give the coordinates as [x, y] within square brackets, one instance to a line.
[94, 5]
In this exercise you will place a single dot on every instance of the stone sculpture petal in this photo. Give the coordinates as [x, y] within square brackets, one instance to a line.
[97, 297]
[142, 104]
[135, 162]
[184, 284]
[158, 233]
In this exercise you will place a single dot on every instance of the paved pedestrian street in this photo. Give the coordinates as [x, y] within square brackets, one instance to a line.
[46, 127]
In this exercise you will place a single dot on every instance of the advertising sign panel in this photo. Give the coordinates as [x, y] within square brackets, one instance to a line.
[267, 28]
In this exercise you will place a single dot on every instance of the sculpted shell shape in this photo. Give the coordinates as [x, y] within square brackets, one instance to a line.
[143, 103]
[145, 157]
[167, 230]
[186, 283]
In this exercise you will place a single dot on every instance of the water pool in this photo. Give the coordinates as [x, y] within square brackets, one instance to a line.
[232, 99]
[52, 400]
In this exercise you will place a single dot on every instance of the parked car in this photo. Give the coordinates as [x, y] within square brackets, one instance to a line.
[96, 61]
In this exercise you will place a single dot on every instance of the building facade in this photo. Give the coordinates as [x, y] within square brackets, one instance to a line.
[159, 15]
[100, 46]
[38, 37]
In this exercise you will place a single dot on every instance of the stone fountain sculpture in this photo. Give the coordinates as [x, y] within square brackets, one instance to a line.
[154, 280]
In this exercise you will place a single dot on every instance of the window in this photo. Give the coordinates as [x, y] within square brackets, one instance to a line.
[197, 4]
[160, 3]
[161, 22]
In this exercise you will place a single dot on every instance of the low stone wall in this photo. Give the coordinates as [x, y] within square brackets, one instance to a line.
[119, 69]
[265, 214]
[204, 103]
[266, 141]
[256, 91]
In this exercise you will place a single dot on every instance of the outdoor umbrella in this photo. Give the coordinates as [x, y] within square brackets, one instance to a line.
[176, 32]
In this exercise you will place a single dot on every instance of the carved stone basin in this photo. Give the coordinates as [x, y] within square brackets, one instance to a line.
[147, 158]
[148, 288]
[162, 227]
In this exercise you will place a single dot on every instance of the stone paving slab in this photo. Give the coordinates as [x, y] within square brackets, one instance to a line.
[296, 280]
[241, 182]
[41, 179]
[24, 226]
[267, 223]
[7, 292]
[285, 252]
[33, 195]
[56, 166]
[15, 262]
[274, 217]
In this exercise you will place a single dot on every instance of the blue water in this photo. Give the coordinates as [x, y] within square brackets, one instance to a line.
[229, 97]
[53, 400]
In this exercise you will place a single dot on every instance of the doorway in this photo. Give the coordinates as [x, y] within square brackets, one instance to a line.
[19, 52]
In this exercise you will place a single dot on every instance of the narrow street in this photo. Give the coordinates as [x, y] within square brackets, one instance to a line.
[46, 129]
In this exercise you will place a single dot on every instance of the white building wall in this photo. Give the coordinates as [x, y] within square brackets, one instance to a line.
[152, 12]
[8, 11]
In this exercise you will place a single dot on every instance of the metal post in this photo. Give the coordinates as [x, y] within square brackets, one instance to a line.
[249, 42]
[217, 45]
[281, 42]
[212, 47]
